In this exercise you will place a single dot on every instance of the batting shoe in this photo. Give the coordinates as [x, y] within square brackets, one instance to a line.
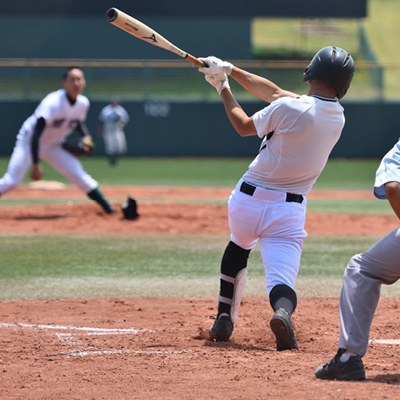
[222, 329]
[282, 328]
[350, 370]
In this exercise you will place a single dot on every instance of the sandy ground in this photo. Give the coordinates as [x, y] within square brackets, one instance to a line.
[145, 348]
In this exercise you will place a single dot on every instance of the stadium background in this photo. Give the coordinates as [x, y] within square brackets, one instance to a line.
[174, 112]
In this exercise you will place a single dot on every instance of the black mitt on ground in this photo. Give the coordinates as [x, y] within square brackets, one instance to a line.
[129, 209]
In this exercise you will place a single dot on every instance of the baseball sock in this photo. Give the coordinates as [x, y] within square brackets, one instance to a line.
[97, 196]
[233, 261]
[283, 296]
[346, 355]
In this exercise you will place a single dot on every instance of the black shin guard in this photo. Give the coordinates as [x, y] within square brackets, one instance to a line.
[283, 296]
[233, 261]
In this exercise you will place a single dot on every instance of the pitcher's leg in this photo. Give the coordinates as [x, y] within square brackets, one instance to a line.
[18, 166]
[69, 166]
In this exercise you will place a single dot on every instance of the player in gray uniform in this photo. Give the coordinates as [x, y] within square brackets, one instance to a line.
[41, 136]
[268, 204]
[362, 281]
[112, 120]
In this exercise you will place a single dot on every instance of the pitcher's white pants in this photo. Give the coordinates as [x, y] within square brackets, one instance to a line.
[61, 160]
[277, 225]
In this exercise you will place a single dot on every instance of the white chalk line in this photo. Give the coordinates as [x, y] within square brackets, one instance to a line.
[82, 353]
[101, 331]
[72, 339]
[386, 341]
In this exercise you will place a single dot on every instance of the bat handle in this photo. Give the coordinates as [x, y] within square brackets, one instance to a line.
[195, 61]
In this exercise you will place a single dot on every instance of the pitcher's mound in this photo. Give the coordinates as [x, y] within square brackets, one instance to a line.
[46, 185]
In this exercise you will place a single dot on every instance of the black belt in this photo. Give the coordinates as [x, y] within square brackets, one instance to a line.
[290, 197]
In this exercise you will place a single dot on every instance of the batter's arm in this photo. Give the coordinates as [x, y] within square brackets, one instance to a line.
[243, 124]
[260, 87]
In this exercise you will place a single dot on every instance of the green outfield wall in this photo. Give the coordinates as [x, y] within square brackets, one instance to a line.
[202, 129]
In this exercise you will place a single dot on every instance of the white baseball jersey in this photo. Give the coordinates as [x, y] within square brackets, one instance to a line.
[61, 117]
[299, 134]
[113, 118]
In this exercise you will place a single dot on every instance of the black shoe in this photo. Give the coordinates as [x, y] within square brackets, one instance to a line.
[222, 329]
[282, 328]
[350, 370]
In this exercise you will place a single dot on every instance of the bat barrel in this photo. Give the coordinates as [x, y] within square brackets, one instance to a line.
[111, 14]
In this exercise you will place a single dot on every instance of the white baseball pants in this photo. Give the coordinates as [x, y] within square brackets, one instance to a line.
[277, 224]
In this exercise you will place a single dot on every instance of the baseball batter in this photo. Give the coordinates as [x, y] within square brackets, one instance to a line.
[362, 282]
[269, 202]
[41, 136]
[112, 120]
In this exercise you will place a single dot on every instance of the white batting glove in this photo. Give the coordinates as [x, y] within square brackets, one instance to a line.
[216, 66]
[219, 81]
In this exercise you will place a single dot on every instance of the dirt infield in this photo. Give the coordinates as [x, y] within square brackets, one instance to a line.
[166, 210]
[145, 348]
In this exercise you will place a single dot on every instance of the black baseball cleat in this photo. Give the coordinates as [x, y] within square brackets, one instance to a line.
[282, 328]
[222, 329]
[350, 370]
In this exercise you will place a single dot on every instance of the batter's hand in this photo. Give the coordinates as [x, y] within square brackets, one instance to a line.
[36, 172]
[216, 66]
[219, 81]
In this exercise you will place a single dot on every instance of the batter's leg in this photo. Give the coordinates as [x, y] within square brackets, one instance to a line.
[281, 260]
[234, 262]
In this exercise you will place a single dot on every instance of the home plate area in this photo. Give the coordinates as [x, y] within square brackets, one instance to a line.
[80, 341]
[142, 348]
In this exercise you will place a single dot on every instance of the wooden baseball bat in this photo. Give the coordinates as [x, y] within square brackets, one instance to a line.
[143, 32]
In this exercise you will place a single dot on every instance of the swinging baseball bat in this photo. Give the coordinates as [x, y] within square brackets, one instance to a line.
[143, 32]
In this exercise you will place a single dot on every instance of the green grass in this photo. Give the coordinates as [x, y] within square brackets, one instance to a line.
[295, 39]
[43, 266]
[76, 265]
[300, 38]
[383, 30]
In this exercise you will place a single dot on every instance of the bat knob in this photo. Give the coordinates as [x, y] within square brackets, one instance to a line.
[111, 14]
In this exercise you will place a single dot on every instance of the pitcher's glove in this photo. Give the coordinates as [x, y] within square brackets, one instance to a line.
[79, 147]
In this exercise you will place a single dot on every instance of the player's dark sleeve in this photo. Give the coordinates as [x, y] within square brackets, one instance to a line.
[40, 125]
[82, 129]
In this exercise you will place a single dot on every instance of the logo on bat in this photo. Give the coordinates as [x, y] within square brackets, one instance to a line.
[152, 38]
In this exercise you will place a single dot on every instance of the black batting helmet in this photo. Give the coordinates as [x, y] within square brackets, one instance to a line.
[334, 66]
